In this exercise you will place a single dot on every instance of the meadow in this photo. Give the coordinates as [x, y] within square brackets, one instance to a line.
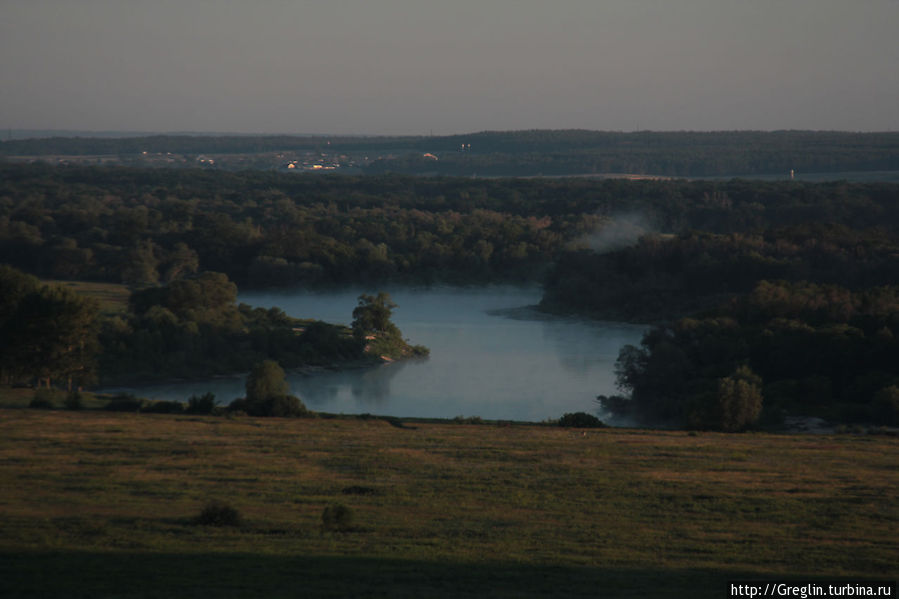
[99, 504]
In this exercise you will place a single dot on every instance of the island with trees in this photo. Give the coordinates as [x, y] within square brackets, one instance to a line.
[190, 328]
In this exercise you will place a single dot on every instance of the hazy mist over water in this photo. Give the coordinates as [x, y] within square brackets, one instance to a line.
[487, 359]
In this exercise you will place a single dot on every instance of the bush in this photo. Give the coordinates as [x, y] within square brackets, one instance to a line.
[337, 517]
[74, 401]
[469, 420]
[163, 407]
[580, 420]
[44, 399]
[279, 406]
[124, 402]
[266, 380]
[886, 405]
[217, 513]
[203, 404]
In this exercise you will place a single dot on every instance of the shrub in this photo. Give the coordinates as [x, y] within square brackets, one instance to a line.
[886, 405]
[266, 380]
[218, 513]
[124, 402]
[279, 406]
[44, 399]
[163, 407]
[469, 420]
[203, 404]
[337, 517]
[580, 420]
[74, 401]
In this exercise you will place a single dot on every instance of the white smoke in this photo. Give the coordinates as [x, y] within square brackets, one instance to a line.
[617, 232]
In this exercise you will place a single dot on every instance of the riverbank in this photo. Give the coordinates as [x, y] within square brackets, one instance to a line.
[107, 502]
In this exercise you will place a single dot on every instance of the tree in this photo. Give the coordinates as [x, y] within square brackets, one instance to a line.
[182, 261]
[139, 266]
[207, 298]
[53, 335]
[372, 315]
[14, 287]
[886, 405]
[735, 404]
[265, 381]
[267, 393]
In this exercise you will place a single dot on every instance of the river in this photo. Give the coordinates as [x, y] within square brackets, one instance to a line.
[491, 356]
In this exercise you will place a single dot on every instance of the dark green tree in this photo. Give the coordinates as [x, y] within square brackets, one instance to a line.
[372, 315]
[267, 393]
[53, 336]
[886, 405]
[734, 405]
[266, 380]
[14, 287]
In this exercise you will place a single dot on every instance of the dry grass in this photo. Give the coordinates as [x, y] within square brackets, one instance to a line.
[664, 506]
[113, 297]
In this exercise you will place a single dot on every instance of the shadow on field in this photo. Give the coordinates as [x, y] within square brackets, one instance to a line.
[82, 575]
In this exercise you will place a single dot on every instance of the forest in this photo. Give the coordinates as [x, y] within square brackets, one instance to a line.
[525, 153]
[192, 327]
[143, 226]
[767, 299]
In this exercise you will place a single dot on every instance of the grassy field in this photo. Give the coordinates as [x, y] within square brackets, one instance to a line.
[96, 504]
[113, 297]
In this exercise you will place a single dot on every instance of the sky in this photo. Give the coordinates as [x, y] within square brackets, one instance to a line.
[459, 66]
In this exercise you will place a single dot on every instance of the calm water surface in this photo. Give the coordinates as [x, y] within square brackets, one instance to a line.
[489, 357]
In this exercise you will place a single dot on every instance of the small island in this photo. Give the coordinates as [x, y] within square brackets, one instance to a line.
[381, 339]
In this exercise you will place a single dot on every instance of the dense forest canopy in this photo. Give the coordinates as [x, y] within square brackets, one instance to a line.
[660, 277]
[143, 226]
[801, 348]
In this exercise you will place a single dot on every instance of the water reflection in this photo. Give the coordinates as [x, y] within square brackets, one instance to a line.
[368, 387]
[490, 357]
[582, 348]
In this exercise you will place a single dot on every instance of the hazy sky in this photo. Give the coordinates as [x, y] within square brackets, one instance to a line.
[454, 66]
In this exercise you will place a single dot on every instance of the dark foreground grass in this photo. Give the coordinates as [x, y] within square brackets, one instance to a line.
[95, 504]
[226, 576]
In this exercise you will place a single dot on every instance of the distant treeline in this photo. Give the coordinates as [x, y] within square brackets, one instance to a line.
[546, 152]
[664, 277]
[141, 226]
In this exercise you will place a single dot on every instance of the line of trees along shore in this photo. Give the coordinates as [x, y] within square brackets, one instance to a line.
[728, 255]
[149, 226]
[189, 328]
